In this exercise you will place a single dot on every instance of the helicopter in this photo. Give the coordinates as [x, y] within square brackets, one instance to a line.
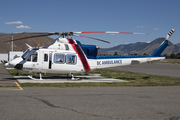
[68, 56]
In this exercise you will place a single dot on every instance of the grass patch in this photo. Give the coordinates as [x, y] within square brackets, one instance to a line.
[135, 79]
[172, 61]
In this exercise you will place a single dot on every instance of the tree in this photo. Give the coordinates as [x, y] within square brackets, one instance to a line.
[178, 56]
[165, 55]
[115, 53]
[173, 56]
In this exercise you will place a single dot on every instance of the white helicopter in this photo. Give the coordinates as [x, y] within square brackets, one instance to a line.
[68, 56]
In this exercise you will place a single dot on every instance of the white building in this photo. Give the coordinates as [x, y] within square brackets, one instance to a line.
[10, 56]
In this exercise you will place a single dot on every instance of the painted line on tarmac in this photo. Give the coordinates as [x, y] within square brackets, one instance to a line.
[19, 86]
[7, 89]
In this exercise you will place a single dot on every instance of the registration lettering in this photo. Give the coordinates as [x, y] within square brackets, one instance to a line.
[109, 62]
[27, 68]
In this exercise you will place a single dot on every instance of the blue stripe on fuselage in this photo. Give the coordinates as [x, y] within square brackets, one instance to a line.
[125, 56]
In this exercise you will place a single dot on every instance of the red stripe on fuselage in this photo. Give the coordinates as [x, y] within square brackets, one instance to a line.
[81, 55]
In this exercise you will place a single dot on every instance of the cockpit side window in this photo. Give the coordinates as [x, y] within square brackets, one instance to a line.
[33, 57]
[29, 58]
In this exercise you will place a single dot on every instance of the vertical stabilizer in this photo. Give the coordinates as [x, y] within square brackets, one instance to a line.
[163, 45]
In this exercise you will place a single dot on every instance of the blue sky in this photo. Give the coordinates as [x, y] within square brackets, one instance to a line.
[155, 17]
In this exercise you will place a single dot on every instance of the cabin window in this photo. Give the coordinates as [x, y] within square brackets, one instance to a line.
[66, 46]
[59, 58]
[71, 59]
[45, 57]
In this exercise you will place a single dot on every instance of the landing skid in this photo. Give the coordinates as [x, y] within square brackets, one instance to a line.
[71, 78]
[34, 78]
[40, 77]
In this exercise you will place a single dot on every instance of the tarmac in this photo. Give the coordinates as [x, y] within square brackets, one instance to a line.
[5, 78]
[82, 103]
[159, 69]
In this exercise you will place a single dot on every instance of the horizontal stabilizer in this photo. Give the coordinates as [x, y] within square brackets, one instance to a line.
[135, 62]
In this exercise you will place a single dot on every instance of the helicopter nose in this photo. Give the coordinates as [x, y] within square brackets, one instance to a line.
[7, 64]
[14, 62]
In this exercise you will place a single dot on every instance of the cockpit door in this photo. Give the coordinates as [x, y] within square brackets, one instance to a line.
[44, 61]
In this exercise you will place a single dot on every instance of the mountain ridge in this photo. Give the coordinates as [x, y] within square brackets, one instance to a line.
[141, 48]
[20, 45]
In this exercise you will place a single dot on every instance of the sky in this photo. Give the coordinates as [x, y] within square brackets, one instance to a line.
[155, 17]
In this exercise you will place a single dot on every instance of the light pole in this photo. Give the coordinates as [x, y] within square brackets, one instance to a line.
[12, 42]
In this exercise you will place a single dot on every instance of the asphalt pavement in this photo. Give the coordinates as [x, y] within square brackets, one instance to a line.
[91, 103]
[5, 78]
[84, 103]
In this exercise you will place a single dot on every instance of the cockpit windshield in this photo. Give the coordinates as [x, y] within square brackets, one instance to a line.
[25, 55]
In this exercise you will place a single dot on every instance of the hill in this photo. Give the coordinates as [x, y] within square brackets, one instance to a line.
[142, 47]
[20, 45]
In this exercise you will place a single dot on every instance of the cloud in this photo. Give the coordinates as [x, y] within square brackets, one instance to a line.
[15, 22]
[23, 27]
[140, 26]
[156, 28]
[0, 17]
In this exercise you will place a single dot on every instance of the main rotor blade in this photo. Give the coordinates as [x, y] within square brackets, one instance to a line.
[92, 38]
[26, 38]
[42, 34]
[33, 36]
[111, 32]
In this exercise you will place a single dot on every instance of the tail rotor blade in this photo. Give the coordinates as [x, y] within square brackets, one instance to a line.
[170, 33]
